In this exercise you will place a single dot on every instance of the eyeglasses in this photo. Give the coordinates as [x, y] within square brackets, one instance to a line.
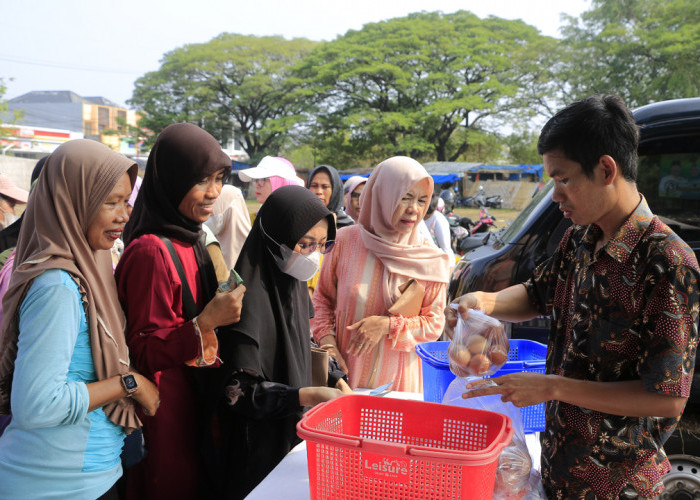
[312, 246]
[324, 248]
[355, 196]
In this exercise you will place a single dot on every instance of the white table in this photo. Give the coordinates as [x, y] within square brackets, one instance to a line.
[290, 479]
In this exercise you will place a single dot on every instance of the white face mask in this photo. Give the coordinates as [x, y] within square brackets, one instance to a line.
[297, 265]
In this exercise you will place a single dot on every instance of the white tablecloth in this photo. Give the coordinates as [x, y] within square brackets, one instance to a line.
[290, 479]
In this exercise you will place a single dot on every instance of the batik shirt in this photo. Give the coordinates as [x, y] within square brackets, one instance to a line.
[626, 312]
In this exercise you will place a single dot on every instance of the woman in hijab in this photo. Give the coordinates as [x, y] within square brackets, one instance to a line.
[9, 235]
[64, 363]
[353, 189]
[167, 286]
[10, 196]
[230, 223]
[266, 362]
[360, 282]
[324, 182]
[272, 173]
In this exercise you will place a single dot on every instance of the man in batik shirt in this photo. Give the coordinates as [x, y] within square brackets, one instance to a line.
[622, 292]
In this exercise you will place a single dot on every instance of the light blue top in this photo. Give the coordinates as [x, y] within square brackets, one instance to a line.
[54, 448]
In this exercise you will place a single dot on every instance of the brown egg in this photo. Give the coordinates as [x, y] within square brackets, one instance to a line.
[479, 365]
[460, 371]
[461, 356]
[498, 355]
[476, 344]
[494, 333]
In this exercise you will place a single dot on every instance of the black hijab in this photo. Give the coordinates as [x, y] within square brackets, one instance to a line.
[182, 155]
[273, 336]
[337, 200]
[10, 235]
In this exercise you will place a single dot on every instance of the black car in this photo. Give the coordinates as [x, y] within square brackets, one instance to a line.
[669, 179]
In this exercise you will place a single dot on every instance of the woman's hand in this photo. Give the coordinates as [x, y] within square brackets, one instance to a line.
[311, 396]
[343, 386]
[223, 309]
[146, 395]
[369, 331]
[328, 343]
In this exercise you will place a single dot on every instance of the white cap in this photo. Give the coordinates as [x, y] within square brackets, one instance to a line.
[268, 167]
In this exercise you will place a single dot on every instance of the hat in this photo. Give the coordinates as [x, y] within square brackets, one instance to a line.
[9, 190]
[268, 167]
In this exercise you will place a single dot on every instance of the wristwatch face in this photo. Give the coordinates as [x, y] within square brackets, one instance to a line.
[129, 383]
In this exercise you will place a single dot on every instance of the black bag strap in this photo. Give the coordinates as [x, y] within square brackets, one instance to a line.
[188, 305]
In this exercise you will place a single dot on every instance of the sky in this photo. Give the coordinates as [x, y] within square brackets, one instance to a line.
[100, 47]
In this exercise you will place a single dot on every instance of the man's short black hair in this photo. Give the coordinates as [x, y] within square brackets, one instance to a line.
[590, 128]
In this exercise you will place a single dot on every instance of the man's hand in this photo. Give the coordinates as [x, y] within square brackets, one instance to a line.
[521, 389]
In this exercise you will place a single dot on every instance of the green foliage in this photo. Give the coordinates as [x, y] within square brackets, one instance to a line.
[642, 50]
[522, 148]
[231, 81]
[411, 85]
[4, 111]
[133, 135]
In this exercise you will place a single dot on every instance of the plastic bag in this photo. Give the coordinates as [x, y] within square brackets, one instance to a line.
[479, 346]
[515, 477]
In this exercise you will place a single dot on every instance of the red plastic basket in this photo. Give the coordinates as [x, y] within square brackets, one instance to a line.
[369, 447]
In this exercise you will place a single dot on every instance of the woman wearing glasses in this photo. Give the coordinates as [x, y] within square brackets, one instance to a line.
[266, 371]
[353, 189]
[361, 279]
[272, 173]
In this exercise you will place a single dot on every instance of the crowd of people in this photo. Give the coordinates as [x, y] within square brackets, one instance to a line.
[156, 344]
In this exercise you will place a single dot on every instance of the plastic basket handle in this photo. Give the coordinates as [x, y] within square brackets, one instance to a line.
[534, 364]
[327, 438]
[496, 448]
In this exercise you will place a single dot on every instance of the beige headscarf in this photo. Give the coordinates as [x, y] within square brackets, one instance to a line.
[403, 255]
[230, 223]
[76, 180]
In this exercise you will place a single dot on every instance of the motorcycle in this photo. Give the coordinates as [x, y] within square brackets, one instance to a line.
[494, 201]
[485, 223]
[480, 200]
[467, 234]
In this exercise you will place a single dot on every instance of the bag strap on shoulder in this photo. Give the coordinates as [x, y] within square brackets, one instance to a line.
[189, 308]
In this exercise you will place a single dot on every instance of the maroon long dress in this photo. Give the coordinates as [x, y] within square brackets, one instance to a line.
[160, 342]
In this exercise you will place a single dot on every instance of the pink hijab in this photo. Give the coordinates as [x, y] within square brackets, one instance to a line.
[277, 182]
[403, 255]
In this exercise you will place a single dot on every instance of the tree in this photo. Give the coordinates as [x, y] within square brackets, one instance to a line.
[136, 135]
[411, 85]
[642, 50]
[232, 81]
[522, 147]
[5, 115]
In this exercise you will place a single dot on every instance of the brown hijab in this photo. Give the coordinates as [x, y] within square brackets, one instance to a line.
[76, 180]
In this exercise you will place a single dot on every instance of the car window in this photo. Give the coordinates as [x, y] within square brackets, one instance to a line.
[669, 178]
[523, 218]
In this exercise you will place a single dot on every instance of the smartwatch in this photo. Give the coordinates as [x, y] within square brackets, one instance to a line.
[129, 384]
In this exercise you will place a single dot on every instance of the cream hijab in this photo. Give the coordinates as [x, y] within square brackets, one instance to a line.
[230, 223]
[403, 255]
[76, 180]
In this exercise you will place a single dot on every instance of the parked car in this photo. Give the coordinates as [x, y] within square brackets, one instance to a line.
[669, 149]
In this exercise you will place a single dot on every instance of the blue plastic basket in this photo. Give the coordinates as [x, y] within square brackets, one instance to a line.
[523, 356]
